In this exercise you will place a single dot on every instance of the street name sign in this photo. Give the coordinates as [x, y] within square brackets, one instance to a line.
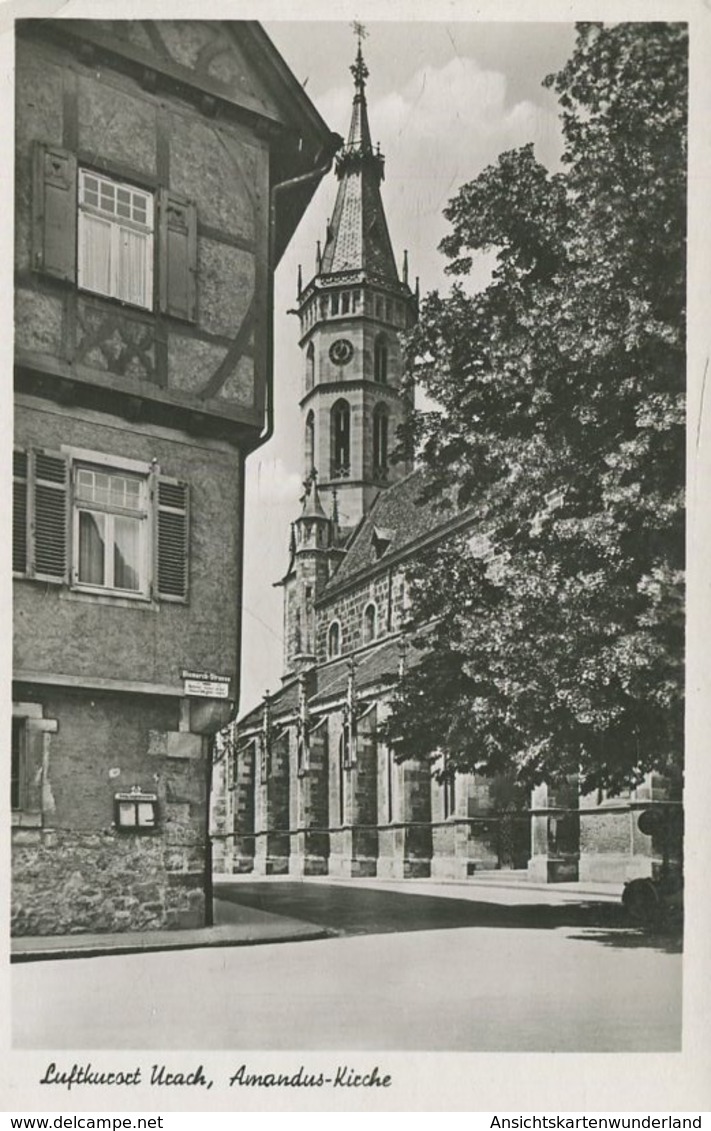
[205, 685]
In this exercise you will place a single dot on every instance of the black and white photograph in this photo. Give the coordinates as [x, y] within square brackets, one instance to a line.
[358, 461]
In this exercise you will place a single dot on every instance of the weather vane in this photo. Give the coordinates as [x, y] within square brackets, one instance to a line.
[359, 30]
[359, 69]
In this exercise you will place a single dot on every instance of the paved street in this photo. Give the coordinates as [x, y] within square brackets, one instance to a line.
[416, 966]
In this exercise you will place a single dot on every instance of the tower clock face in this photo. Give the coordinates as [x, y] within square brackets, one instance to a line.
[341, 351]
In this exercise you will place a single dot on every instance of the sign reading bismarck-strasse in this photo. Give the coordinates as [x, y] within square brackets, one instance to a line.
[205, 685]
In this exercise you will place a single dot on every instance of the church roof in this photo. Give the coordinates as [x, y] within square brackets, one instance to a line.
[375, 667]
[358, 237]
[398, 522]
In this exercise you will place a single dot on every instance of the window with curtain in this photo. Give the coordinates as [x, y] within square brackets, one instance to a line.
[115, 239]
[110, 530]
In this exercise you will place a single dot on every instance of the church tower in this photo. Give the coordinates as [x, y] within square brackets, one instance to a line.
[352, 313]
[352, 397]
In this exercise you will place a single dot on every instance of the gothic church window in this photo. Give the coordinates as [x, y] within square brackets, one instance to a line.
[334, 639]
[310, 367]
[340, 440]
[380, 367]
[309, 444]
[370, 623]
[380, 441]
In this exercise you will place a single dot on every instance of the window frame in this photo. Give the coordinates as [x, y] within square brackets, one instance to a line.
[116, 225]
[81, 460]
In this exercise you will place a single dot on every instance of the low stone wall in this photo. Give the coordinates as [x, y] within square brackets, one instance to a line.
[69, 883]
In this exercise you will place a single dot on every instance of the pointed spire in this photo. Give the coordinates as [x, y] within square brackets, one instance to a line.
[404, 267]
[358, 238]
[299, 283]
[318, 256]
[312, 504]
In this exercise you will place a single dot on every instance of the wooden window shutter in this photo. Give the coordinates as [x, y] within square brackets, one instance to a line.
[50, 497]
[172, 539]
[177, 270]
[54, 212]
[20, 511]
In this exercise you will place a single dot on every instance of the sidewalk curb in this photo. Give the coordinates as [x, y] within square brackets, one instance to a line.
[48, 954]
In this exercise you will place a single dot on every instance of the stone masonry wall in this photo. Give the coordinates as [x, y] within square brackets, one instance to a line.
[75, 871]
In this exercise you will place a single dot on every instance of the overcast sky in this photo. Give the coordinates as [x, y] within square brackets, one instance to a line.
[444, 99]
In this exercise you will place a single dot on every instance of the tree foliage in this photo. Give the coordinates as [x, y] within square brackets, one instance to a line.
[555, 640]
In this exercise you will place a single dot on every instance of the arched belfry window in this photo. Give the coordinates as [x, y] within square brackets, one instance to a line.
[309, 444]
[340, 440]
[310, 367]
[370, 623]
[334, 639]
[380, 441]
[380, 359]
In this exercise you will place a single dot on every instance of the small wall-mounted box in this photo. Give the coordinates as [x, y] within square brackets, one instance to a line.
[136, 811]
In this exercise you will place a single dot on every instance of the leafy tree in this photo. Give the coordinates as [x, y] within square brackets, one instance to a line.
[555, 638]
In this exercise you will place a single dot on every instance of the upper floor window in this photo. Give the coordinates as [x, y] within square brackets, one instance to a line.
[110, 530]
[345, 302]
[340, 440]
[115, 240]
[124, 242]
[380, 363]
[99, 524]
[334, 303]
[334, 639]
[370, 623]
